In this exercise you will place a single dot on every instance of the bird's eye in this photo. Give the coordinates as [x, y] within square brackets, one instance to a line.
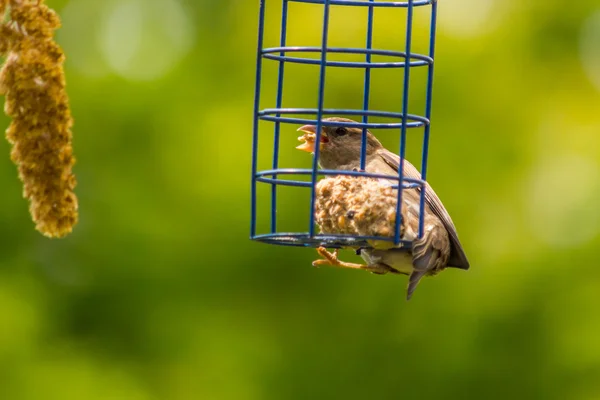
[341, 131]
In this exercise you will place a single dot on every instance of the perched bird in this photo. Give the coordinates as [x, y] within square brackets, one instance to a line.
[340, 149]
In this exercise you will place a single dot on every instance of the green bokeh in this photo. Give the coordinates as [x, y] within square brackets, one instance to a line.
[159, 294]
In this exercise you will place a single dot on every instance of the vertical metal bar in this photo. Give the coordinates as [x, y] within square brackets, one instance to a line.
[428, 104]
[319, 124]
[367, 87]
[279, 101]
[409, 20]
[261, 30]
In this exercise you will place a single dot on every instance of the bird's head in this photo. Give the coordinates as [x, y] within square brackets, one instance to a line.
[340, 146]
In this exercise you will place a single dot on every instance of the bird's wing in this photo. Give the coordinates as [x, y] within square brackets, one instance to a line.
[457, 259]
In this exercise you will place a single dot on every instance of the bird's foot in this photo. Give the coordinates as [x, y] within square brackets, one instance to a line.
[333, 260]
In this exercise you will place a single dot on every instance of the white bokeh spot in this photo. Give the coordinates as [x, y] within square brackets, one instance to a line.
[144, 39]
[465, 18]
[590, 48]
[562, 197]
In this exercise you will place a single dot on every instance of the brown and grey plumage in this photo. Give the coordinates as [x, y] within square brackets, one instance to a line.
[340, 149]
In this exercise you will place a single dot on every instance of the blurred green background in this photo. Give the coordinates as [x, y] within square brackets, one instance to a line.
[159, 294]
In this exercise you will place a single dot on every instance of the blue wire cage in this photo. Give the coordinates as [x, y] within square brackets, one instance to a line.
[284, 54]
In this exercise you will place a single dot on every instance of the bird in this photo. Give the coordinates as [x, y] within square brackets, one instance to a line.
[438, 248]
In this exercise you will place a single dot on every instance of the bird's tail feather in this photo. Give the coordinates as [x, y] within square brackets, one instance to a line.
[425, 257]
[413, 281]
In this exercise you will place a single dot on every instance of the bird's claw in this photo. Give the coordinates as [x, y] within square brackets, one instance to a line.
[328, 258]
[333, 260]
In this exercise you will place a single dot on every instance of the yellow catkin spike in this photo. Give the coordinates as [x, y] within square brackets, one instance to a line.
[33, 83]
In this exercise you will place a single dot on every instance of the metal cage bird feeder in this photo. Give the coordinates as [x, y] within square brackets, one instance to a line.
[406, 60]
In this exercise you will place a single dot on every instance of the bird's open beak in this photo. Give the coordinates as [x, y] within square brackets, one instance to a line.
[309, 138]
